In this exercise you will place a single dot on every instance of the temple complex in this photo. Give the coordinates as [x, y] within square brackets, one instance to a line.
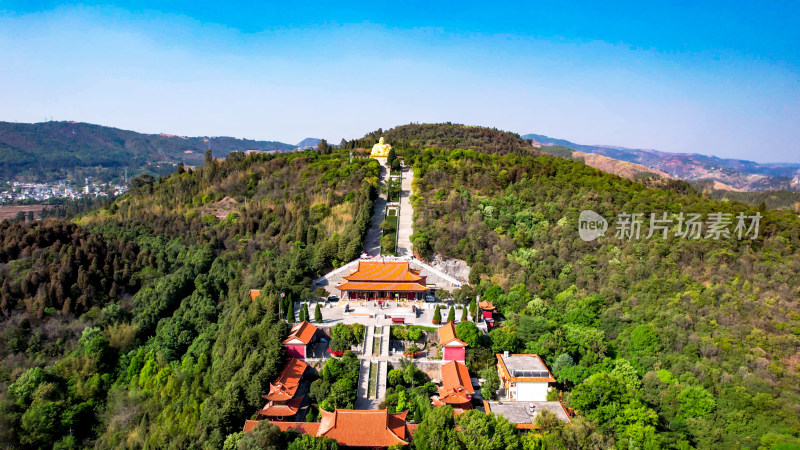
[378, 280]
[381, 149]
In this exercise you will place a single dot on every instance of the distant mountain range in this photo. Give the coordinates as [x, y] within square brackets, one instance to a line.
[734, 174]
[308, 143]
[53, 149]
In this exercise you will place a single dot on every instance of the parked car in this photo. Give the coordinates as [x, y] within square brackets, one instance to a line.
[333, 298]
[430, 298]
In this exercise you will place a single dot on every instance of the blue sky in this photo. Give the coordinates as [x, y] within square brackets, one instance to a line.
[717, 78]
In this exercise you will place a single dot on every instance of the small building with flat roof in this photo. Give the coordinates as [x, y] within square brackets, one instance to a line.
[524, 414]
[523, 377]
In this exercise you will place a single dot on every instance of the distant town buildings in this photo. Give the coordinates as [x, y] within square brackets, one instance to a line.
[18, 191]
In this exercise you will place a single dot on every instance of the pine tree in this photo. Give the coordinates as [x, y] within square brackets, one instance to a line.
[390, 157]
[451, 316]
[285, 307]
[290, 311]
[437, 316]
[303, 313]
[317, 314]
[464, 314]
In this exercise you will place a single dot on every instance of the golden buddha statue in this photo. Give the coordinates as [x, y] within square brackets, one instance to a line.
[381, 149]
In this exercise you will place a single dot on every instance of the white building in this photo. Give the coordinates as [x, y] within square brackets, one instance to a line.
[523, 377]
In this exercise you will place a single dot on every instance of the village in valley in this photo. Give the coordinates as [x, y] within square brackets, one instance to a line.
[391, 318]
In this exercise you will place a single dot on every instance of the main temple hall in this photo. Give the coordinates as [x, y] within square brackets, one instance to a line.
[379, 280]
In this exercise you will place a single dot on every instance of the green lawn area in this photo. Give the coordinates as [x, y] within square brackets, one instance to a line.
[376, 342]
[373, 380]
[389, 240]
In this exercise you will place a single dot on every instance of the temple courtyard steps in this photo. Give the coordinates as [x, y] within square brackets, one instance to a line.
[404, 251]
[368, 341]
[362, 390]
[383, 370]
[385, 335]
[405, 220]
[372, 243]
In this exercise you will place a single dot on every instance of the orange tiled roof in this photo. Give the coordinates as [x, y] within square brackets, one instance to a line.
[303, 427]
[384, 271]
[286, 385]
[361, 428]
[289, 408]
[378, 286]
[455, 378]
[249, 425]
[447, 336]
[459, 403]
[254, 293]
[303, 332]
[456, 386]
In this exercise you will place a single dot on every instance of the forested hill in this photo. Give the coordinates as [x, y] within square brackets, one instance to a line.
[449, 136]
[658, 342]
[53, 148]
[132, 326]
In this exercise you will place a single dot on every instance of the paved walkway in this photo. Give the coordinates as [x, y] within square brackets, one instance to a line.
[364, 399]
[406, 219]
[372, 244]
[369, 339]
[383, 368]
[385, 335]
[362, 391]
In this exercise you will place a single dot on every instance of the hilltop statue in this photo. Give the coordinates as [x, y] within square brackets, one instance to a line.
[381, 149]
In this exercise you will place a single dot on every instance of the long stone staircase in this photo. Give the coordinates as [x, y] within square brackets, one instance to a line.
[385, 341]
[362, 391]
[368, 341]
[383, 369]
